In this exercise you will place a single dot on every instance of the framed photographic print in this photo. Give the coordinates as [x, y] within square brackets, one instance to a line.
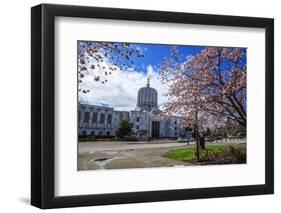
[139, 106]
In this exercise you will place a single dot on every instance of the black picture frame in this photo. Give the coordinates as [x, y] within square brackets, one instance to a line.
[43, 102]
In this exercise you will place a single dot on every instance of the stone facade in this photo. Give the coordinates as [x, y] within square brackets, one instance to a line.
[102, 121]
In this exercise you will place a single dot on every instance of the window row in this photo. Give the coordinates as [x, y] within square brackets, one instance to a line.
[95, 118]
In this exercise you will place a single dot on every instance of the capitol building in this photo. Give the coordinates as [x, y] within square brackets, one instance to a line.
[102, 121]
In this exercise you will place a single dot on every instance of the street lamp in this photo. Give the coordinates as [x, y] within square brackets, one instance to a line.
[197, 137]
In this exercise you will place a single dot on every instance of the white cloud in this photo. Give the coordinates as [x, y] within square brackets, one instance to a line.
[149, 70]
[120, 91]
[140, 48]
[189, 57]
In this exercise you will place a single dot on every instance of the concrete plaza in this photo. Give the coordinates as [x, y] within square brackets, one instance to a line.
[120, 155]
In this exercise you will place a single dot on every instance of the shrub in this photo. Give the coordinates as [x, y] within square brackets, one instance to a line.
[228, 155]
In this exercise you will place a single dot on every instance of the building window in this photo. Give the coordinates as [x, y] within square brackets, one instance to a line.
[102, 118]
[100, 133]
[175, 133]
[176, 122]
[86, 117]
[137, 127]
[93, 133]
[109, 118]
[84, 133]
[138, 119]
[175, 128]
[95, 117]
[107, 133]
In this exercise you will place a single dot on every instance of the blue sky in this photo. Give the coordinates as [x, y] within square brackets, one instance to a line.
[120, 91]
[155, 54]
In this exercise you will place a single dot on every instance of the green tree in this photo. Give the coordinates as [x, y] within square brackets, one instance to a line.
[124, 129]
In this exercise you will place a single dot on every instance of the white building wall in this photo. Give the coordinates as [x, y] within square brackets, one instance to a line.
[95, 120]
[103, 121]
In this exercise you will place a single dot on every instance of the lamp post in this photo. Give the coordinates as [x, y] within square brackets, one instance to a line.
[196, 133]
[197, 136]
[149, 127]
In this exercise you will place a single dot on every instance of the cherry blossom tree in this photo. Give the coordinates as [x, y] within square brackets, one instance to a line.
[100, 59]
[207, 89]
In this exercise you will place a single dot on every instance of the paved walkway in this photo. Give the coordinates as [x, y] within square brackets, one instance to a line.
[120, 155]
[97, 146]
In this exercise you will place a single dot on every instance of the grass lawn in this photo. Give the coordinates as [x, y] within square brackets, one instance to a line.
[189, 154]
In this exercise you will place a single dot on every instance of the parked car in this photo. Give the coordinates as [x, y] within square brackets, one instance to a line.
[185, 140]
[241, 135]
[181, 140]
[192, 139]
[231, 137]
[209, 139]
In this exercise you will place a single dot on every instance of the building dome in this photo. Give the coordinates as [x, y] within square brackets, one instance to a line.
[147, 98]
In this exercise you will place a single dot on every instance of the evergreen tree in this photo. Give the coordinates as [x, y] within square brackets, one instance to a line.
[124, 129]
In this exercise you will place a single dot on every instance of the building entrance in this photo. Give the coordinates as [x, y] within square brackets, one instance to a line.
[155, 129]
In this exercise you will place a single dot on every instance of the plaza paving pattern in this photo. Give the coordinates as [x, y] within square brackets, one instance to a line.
[120, 155]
